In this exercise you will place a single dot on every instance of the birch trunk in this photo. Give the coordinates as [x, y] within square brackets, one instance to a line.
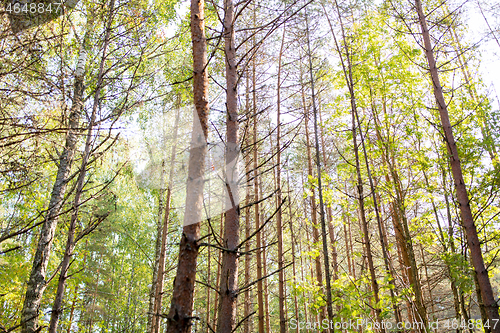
[36, 283]
[70, 243]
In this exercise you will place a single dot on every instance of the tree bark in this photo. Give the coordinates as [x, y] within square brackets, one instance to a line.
[258, 245]
[347, 69]
[320, 188]
[229, 273]
[314, 213]
[476, 256]
[180, 315]
[279, 226]
[36, 283]
[248, 303]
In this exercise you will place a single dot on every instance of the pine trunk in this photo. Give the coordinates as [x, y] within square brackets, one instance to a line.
[229, 274]
[279, 224]
[476, 256]
[180, 315]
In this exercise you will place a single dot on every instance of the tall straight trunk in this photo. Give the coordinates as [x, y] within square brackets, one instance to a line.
[347, 69]
[353, 263]
[346, 241]
[378, 218]
[364, 222]
[158, 290]
[248, 303]
[314, 213]
[36, 283]
[266, 283]
[320, 188]
[229, 274]
[403, 237]
[209, 277]
[331, 228]
[476, 256]
[302, 264]
[279, 226]
[293, 241]
[258, 245]
[159, 229]
[180, 315]
[217, 278]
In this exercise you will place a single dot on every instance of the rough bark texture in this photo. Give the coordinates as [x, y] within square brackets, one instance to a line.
[179, 317]
[70, 242]
[279, 224]
[36, 283]
[229, 274]
[461, 192]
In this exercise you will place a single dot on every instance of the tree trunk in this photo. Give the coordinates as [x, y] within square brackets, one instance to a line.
[36, 283]
[314, 218]
[279, 226]
[258, 245]
[248, 303]
[400, 223]
[347, 68]
[377, 216]
[293, 241]
[266, 283]
[218, 277]
[462, 197]
[320, 188]
[180, 315]
[158, 292]
[229, 274]
[70, 242]
[209, 276]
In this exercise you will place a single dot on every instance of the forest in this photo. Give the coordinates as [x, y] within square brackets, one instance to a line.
[249, 166]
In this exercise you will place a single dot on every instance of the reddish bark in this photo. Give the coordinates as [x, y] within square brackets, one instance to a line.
[180, 315]
[461, 191]
[229, 273]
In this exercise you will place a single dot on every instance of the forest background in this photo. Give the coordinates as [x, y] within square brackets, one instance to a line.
[357, 198]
